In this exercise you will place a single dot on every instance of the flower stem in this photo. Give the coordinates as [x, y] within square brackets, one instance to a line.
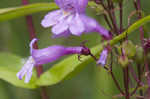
[138, 8]
[133, 73]
[126, 82]
[121, 16]
[139, 77]
[108, 9]
[113, 76]
[31, 29]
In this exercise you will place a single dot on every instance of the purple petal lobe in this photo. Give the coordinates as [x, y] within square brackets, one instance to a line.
[26, 70]
[29, 74]
[61, 27]
[81, 6]
[92, 26]
[58, 2]
[76, 26]
[102, 31]
[103, 57]
[89, 23]
[51, 18]
[64, 34]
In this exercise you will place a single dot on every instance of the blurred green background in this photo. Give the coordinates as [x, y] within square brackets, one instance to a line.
[92, 83]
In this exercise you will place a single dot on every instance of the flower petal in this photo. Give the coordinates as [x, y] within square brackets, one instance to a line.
[76, 26]
[49, 54]
[64, 34]
[81, 5]
[29, 74]
[61, 27]
[58, 2]
[93, 26]
[26, 70]
[103, 57]
[51, 18]
[89, 23]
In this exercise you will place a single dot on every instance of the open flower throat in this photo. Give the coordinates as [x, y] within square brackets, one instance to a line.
[72, 19]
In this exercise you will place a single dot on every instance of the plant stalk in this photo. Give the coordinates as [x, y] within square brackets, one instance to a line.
[138, 8]
[32, 34]
[121, 16]
[113, 76]
[126, 82]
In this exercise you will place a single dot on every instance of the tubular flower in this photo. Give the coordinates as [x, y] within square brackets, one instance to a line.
[71, 19]
[44, 56]
[103, 57]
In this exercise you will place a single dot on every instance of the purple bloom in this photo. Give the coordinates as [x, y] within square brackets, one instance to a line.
[71, 19]
[103, 57]
[44, 56]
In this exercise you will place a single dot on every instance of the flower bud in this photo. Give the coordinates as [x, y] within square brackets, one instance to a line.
[123, 61]
[129, 49]
[139, 57]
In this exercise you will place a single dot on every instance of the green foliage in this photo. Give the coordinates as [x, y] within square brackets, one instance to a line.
[11, 13]
[97, 8]
[9, 66]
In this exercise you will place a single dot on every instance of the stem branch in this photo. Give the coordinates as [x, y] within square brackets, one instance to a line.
[126, 82]
[31, 29]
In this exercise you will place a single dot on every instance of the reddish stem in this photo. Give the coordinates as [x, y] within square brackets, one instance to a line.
[133, 73]
[112, 18]
[113, 77]
[121, 16]
[138, 8]
[31, 29]
[126, 82]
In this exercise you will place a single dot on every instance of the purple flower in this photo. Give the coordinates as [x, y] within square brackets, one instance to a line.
[71, 19]
[103, 57]
[44, 56]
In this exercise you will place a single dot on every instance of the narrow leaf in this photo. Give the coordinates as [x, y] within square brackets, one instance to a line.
[11, 13]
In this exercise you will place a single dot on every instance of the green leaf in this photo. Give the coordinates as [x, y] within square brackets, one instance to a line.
[9, 66]
[65, 68]
[11, 13]
[15, 12]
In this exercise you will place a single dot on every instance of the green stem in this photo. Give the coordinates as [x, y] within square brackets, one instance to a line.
[133, 27]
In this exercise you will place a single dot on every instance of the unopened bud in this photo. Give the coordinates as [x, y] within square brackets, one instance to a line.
[129, 48]
[123, 61]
